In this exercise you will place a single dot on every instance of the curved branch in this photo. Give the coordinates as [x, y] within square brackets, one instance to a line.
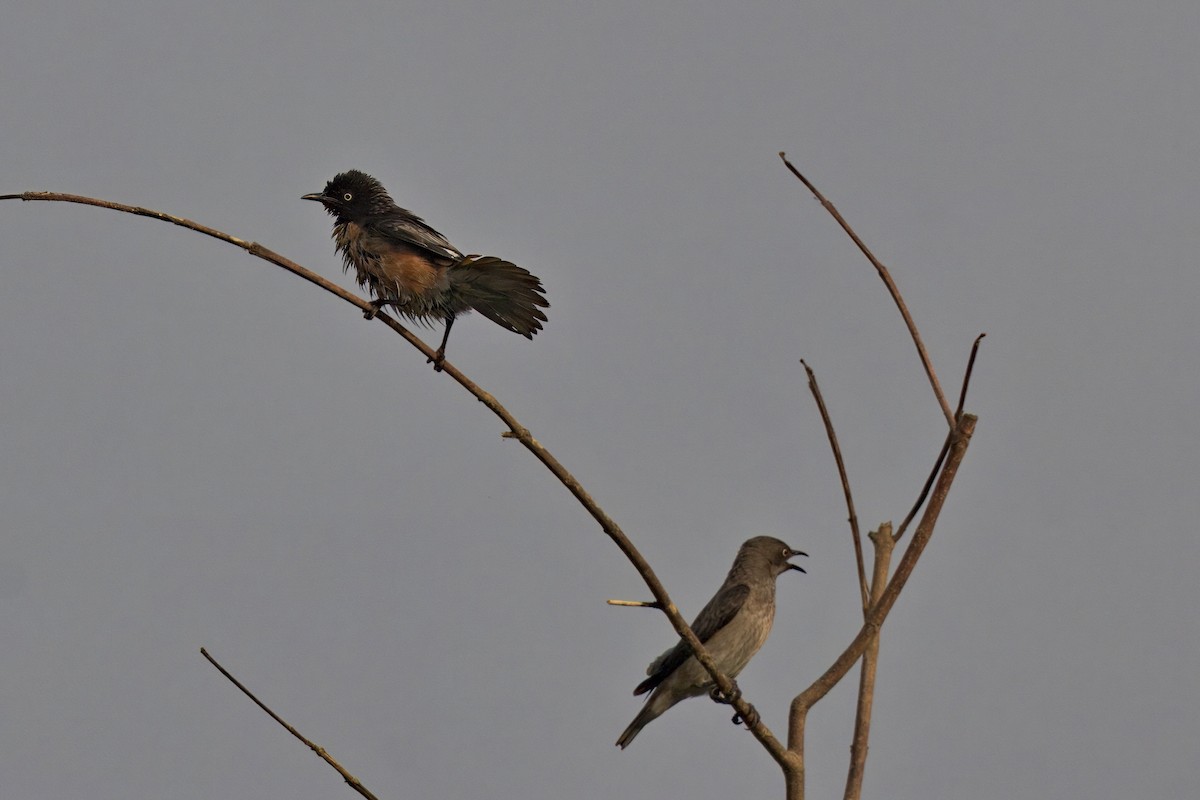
[253, 248]
[516, 431]
[891, 287]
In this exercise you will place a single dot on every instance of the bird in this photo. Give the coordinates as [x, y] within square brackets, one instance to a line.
[732, 627]
[408, 265]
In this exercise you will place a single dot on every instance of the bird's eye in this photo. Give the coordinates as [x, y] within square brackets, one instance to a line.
[347, 197]
[787, 553]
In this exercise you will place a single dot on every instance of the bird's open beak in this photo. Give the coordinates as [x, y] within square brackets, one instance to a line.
[797, 567]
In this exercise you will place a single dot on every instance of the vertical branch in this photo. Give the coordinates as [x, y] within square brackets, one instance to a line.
[797, 723]
[841, 465]
[798, 716]
[884, 544]
[891, 287]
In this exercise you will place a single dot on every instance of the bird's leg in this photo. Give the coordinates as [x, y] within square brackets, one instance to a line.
[718, 696]
[440, 355]
[376, 307]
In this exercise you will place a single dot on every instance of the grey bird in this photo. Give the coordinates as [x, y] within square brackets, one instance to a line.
[732, 627]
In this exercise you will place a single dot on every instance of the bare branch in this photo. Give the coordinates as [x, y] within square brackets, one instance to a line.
[805, 700]
[516, 431]
[891, 286]
[866, 644]
[253, 248]
[354, 783]
[841, 465]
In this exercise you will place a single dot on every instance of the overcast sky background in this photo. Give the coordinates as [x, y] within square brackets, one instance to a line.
[197, 448]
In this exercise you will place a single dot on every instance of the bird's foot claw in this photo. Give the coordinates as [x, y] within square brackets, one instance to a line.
[750, 719]
[376, 307]
[436, 360]
[720, 697]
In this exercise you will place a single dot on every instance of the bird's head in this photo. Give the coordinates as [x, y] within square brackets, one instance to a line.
[772, 553]
[352, 196]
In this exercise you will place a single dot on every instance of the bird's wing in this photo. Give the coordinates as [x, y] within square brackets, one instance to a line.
[723, 607]
[412, 230]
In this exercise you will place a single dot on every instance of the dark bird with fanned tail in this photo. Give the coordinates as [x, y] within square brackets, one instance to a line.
[414, 269]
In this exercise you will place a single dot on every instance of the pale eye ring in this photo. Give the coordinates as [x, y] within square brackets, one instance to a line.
[347, 197]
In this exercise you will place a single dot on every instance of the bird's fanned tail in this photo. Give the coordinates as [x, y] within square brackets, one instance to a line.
[508, 295]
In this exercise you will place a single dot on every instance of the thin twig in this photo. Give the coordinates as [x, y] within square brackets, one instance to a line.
[966, 382]
[841, 465]
[354, 782]
[516, 431]
[891, 286]
[937, 465]
[635, 603]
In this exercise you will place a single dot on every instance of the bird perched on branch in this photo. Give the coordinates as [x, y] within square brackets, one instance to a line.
[408, 265]
[732, 627]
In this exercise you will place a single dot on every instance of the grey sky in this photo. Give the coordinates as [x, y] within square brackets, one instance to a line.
[198, 449]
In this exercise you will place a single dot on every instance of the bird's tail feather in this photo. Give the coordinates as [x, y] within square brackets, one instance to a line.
[644, 717]
[508, 295]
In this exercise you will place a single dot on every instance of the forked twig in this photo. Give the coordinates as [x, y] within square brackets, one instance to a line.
[798, 716]
[354, 782]
[881, 598]
[937, 465]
